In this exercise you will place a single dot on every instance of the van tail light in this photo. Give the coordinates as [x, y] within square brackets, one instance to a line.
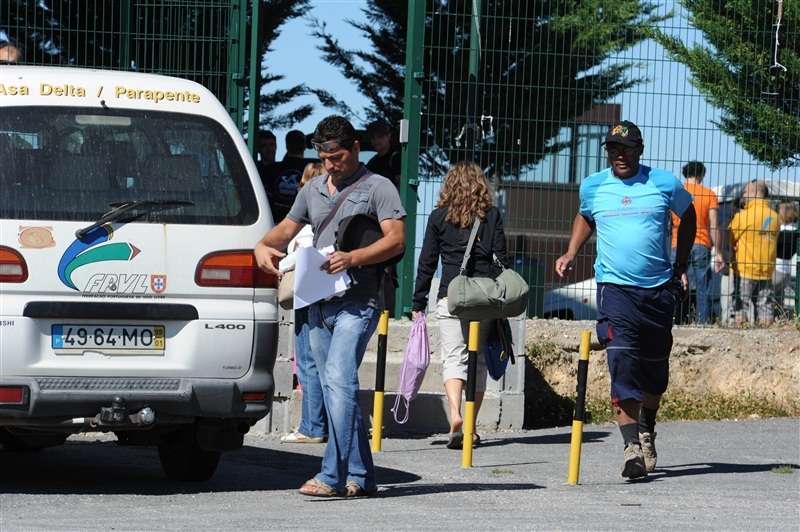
[236, 269]
[11, 395]
[254, 397]
[13, 268]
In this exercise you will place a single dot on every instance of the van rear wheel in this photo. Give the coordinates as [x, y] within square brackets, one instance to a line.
[182, 458]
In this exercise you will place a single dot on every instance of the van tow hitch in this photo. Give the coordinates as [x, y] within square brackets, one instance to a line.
[116, 415]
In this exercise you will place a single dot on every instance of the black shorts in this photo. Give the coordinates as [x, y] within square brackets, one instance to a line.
[635, 325]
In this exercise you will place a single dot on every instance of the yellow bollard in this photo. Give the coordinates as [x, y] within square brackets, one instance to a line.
[469, 405]
[580, 411]
[380, 374]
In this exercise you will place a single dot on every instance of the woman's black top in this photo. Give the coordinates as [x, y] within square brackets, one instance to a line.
[449, 242]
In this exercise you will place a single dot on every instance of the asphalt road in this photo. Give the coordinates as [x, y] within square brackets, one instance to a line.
[730, 475]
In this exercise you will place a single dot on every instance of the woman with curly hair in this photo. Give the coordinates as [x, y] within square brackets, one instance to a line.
[465, 195]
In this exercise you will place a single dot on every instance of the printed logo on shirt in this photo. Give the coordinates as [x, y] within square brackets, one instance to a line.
[286, 185]
[765, 232]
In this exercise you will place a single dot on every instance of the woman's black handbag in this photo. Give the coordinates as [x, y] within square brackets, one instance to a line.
[483, 298]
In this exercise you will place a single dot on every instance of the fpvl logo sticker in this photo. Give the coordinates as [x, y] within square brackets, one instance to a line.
[88, 250]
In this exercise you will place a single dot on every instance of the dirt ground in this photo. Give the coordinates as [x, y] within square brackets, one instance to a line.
[762, 362]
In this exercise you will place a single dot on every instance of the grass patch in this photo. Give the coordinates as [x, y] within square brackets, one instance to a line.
[541, 351]
[502, 472]
[598, 410]
[783, 470]
[686, 406]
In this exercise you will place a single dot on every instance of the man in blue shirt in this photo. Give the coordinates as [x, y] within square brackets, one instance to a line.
[628, 206]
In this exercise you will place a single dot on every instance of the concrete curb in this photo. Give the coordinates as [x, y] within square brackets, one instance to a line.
[503, 405]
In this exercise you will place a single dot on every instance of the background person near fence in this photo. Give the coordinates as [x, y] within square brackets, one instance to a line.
[314, 420]
[754, 235]
[782, 279]
[281, 179]
[701, 265]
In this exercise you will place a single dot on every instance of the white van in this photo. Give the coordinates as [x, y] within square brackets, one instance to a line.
[130, 301]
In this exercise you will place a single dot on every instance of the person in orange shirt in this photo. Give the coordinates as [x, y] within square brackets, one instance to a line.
[708, 237]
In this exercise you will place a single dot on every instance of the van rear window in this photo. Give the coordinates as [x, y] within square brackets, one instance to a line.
[62, 163]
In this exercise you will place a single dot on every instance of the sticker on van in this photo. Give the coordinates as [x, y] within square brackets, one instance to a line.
[82, 252]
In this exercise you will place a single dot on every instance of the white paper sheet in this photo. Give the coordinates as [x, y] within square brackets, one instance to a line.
[311, 284]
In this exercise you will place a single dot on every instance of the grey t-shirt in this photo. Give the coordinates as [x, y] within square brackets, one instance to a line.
[375, 196]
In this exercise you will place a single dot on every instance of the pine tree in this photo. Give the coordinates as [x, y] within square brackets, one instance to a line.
[273, 15]
[541, 65]
[749, 68]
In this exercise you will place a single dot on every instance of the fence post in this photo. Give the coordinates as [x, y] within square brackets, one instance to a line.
[580, 411]
[380, 377]
[409, 169]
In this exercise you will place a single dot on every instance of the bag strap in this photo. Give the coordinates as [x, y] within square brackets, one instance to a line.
[346, 192]
[507, 343]
[497, 261]
[468, 251]
[471, 243]
[399, 401]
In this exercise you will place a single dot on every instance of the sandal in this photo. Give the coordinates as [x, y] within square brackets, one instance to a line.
[354, 489]
[317, 488]
[456, 441]
[297, 437]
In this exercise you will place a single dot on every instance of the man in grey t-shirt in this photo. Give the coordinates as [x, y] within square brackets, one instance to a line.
[340, 328]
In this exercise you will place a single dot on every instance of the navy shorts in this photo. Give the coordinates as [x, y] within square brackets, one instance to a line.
[635, 325]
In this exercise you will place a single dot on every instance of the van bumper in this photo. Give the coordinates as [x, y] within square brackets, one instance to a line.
[78, 404]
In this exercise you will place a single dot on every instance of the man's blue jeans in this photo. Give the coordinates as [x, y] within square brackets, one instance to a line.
[700, 281]
[338, 333]
[315, 421]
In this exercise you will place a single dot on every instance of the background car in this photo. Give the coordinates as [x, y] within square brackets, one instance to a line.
[576, 301]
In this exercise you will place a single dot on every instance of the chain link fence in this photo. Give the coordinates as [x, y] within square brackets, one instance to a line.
[528, 90]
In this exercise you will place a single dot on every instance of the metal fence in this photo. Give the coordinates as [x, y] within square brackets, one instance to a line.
[200, 40]
[528, 90]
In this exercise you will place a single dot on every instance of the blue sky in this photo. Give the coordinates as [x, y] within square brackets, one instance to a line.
[676, 130]
[296, 57]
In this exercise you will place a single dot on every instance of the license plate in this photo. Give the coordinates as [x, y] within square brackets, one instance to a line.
[112, 339]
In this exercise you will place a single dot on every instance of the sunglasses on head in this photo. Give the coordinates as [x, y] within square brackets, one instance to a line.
[329, 146]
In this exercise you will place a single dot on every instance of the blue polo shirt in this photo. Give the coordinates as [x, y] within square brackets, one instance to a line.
[632, 220]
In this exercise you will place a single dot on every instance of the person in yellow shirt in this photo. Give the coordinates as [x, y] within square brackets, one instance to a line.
[708, 237]
[754, 235]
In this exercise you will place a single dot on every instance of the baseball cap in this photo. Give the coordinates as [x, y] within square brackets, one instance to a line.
[626, 133]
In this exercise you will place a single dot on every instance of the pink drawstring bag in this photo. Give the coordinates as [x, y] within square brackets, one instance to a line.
[415, 363]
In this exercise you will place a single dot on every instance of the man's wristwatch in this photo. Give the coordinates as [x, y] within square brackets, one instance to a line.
[679, 268]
